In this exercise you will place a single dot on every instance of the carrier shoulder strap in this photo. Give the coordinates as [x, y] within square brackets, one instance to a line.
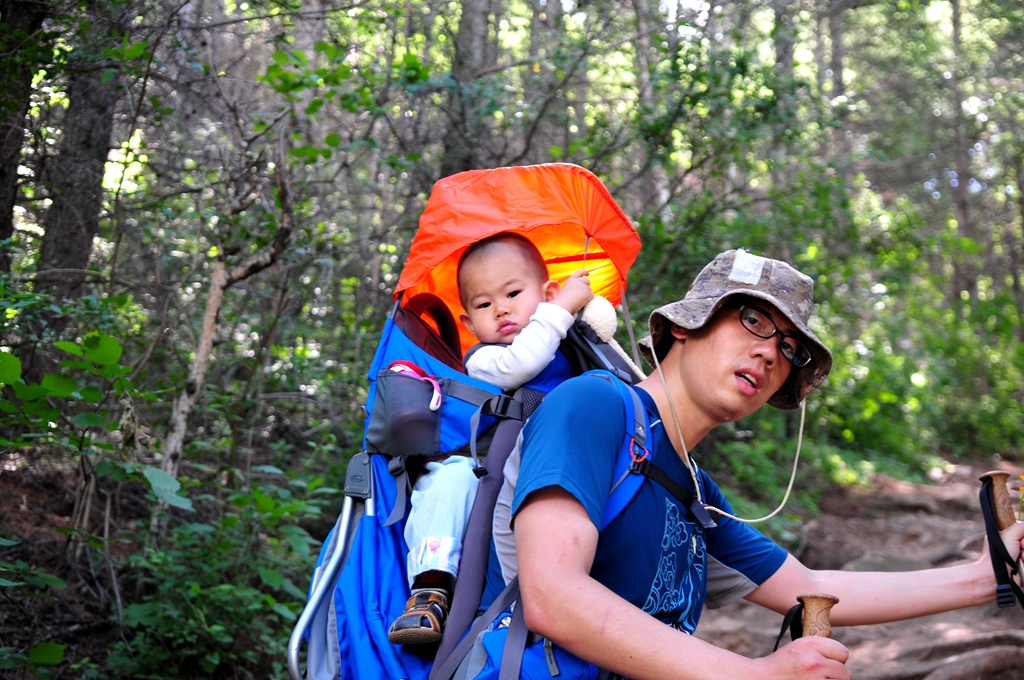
[634, 464]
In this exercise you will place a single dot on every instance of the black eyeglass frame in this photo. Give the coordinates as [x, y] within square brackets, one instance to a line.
[790, 354]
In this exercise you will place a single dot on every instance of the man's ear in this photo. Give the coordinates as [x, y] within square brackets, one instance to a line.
[551, 289]
[679, 333]
[464, 318]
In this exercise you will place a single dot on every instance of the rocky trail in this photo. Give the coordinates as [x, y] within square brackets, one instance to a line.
[899, 526]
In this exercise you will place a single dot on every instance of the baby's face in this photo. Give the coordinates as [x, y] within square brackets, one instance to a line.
[502, 292]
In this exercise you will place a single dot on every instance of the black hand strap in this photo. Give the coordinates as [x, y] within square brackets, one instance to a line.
[1003, 565]
[793, 622]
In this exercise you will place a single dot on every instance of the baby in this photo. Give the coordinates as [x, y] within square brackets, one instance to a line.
[520, 317]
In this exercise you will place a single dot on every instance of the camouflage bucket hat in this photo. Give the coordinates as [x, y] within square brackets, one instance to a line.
[737, 272]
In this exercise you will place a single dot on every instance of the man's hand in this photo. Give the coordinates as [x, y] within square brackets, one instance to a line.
[575, 292]
[809, 658]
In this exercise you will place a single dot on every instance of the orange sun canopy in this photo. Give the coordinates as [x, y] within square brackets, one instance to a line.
[563, 208]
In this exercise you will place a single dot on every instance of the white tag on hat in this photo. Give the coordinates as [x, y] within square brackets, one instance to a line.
[746, 268]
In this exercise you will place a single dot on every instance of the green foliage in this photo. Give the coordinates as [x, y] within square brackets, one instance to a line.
[20, 575]
[216, 597]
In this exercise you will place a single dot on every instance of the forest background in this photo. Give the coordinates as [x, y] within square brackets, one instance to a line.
[204, 206]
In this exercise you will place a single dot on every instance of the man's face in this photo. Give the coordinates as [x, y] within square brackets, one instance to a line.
[502, 291]
[729, 371]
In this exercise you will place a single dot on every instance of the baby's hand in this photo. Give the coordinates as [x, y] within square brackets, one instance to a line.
[575, 293]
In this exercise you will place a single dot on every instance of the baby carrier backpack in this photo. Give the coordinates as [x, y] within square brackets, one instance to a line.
[420, 403]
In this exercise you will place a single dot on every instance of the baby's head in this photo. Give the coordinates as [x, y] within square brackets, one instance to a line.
[501, 281]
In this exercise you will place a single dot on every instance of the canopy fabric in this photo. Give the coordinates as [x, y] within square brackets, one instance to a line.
[563, 208]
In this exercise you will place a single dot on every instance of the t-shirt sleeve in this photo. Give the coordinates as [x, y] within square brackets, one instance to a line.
[740, 558]
[571, 442]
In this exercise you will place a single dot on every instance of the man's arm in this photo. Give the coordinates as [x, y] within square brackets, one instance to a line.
[878, 597]
[556, 543]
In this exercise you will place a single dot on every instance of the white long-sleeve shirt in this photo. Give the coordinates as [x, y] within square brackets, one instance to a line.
[509, 366]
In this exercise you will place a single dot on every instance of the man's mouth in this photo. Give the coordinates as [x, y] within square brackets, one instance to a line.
[753, 380]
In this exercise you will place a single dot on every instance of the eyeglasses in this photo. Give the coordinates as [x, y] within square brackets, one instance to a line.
[761, 325]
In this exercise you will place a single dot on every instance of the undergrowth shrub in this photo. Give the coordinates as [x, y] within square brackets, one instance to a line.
[217, 599]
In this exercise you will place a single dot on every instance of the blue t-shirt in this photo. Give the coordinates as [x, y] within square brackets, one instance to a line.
[653, 554]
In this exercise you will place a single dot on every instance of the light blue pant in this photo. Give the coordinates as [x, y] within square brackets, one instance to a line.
[439, 510]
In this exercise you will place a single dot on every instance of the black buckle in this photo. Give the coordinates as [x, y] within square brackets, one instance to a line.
[503, 406]
[639, 466]
[1004, 595]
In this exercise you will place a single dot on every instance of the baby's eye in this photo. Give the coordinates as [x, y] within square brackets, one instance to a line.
[483, 305]
[514, 293]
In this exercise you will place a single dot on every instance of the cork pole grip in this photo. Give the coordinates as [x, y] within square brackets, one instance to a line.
[1001, 497]
[815, 617]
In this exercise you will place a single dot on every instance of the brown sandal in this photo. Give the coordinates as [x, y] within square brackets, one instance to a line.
[422, 621]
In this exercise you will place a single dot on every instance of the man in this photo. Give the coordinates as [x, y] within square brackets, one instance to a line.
[625, 598]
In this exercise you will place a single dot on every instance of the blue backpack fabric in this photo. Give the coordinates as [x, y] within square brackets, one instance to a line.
[347, 636]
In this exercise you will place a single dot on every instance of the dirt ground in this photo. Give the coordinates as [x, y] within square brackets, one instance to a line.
[900, 526]
[895, 526]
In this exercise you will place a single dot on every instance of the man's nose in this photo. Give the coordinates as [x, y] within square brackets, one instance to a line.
[767, 348]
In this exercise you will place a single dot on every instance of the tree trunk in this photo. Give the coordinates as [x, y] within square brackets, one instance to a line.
[472, 56]
[74, 178]
[220, 280]
[20, 21]
[963, 271]
[545, 94]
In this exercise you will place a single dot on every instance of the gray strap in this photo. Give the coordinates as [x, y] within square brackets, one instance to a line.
[515, 645]
[629, 326]
[446, 669]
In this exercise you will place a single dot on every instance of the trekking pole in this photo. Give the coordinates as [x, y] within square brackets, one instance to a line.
[1001, 504]
[815, 615]
[1001, 497]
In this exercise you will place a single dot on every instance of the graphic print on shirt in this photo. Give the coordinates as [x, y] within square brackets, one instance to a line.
[682, 571]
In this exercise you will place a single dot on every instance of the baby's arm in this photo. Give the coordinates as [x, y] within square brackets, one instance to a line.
[509, 366]
[575, 293]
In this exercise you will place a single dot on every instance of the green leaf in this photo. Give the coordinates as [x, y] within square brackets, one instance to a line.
[4, 583]
[90, 395]
[69, 347]
[264, 503]
[29, 392]
[136, 50]
[7, 542]
[165, 487]
[9, 659]
[101, 348]
[112, 469]
[271, 577]
[47, 654]
[88, 420]
[10, 368]
[59, 385]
